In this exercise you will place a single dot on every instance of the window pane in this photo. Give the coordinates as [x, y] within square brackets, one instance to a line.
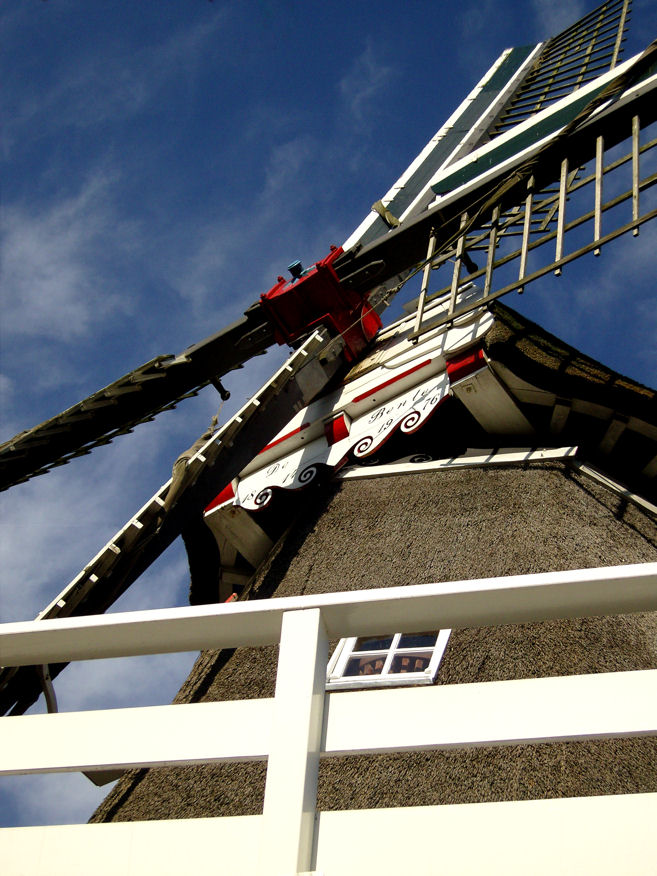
[411, 662]
[365, 665]
[418, 640]
[374, 643]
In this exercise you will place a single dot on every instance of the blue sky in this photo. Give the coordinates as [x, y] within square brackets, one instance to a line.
[162, 163]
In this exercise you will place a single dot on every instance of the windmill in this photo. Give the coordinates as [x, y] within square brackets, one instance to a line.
[511, 189]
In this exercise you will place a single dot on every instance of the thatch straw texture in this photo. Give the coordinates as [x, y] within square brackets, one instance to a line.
[438, 527]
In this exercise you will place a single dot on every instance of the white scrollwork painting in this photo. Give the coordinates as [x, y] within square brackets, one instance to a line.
[407, 412]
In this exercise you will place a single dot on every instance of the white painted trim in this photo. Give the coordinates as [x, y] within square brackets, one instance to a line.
[337, 680]
[513, 456]
[167, 848]
[492, 713]
[401, 719]
[285, 834]
[125, 738]
[480, 602]
[580, 836]
[296, 736]
[600, 836]
[390, 358]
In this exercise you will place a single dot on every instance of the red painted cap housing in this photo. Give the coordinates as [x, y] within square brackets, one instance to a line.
[296, 307]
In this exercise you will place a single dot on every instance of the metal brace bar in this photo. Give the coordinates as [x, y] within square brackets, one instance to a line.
[47, 687]
[619, 38]
[561, 221]
[492, 246]
[460, 248]
[636, 127]
[599, 170]
[554, 200]
[425, 279]
[526, 230]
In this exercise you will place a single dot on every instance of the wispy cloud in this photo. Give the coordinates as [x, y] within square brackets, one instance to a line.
[553, 16]
[365, 82]
[597, 308]
[60, 798]
[86, 93]
[54, 263]
[288, 163]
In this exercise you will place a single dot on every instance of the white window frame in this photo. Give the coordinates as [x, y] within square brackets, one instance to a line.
[337, 680]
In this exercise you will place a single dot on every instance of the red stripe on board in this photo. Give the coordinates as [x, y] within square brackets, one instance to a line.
[225, 495]
[392, 380]
[336, 429]
[465, 364]
[285, 437]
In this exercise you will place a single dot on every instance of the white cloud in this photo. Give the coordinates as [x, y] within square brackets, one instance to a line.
[59, 798]
[604, 306]
[288, 163]
[128, 81]
[553, 16]
[365, 82]
[54, 273]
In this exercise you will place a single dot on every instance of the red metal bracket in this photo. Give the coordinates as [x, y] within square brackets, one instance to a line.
[297, 306]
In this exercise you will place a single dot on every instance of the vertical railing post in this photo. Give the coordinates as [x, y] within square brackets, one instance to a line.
[291, 788]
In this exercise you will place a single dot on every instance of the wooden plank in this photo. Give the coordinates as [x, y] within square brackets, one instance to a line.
[589, 835]
[492, 713]
[487, 601]
[604, 836]
[124, 738]
[296, 732]
[167, 848]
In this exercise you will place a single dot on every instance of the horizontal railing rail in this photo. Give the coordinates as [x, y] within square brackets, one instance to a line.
[302, 722]
[472, 603]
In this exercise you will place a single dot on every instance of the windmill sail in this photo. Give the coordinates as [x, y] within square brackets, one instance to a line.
[498, 179]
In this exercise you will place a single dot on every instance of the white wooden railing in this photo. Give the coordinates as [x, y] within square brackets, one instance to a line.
[610, 834]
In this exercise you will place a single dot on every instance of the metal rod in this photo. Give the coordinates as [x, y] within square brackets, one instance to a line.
[561, 221]
[425, 279]
[636, 127]
[597, 219]
[460, 247]
[553, 202]
[492, 246]
[535, 275]
[645, 184]
[619, 38]
[589, 49]
[47, 687]
[526, 230]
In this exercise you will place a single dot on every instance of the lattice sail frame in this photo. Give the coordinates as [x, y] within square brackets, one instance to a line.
[569, 61]
[558, 189]
[548, 214]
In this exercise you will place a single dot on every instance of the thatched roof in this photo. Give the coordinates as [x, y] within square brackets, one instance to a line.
[443, 526]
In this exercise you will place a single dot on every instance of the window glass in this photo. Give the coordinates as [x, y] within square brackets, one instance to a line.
[365, 665]
[387, 660]
[418, 640]
[374, 643]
